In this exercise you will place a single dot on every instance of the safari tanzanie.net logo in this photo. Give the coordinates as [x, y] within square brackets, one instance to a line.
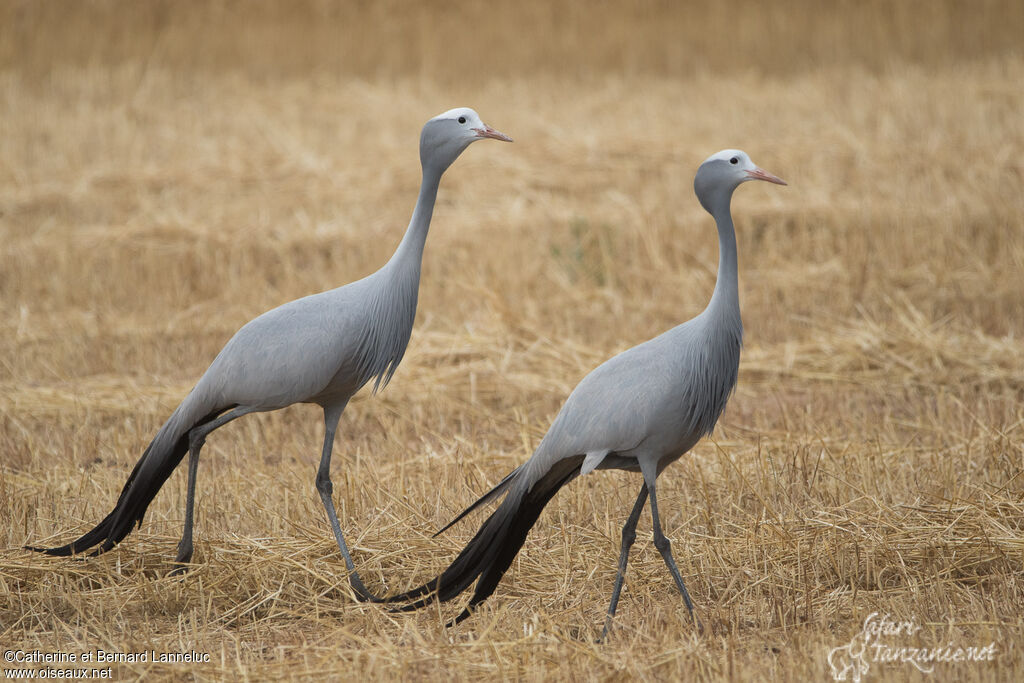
[884, 641]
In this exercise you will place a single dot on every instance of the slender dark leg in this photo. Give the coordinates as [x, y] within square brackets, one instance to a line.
[628, 536]
[196, 439]
[664, 546]
[324, 486]
[185, 544]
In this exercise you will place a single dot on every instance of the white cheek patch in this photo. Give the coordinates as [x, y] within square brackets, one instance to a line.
[592, 460]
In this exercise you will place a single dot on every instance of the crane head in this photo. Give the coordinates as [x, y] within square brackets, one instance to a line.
[723, 172]
[445, 136]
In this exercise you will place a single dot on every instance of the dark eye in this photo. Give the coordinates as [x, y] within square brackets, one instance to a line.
[734, 160]
[462, 119]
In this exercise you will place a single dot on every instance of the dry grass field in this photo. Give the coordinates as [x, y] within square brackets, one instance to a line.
[170, 170]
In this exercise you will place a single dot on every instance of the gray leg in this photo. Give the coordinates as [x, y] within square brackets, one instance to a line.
[196, 439]
[324, 486]
[663, 545]
[628, 536]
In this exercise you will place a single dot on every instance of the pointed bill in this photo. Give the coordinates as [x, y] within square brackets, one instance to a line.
[488, 132]
[761, 174]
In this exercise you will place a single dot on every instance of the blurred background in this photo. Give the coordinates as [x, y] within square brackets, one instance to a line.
[169, 170]
[472, 42]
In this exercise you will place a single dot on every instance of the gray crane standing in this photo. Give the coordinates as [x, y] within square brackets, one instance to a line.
[318, 349]
[640, 410]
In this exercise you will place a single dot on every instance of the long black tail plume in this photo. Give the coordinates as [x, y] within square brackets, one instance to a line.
[490, 552]
[137, 494]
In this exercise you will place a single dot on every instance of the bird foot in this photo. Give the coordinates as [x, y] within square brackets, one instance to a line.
[697, 622]
[179, 570]
[182, 563]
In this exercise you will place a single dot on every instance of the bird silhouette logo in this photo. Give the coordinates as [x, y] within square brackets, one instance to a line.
[848, 662]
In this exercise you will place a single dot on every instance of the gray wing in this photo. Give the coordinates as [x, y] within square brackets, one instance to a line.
[656, 399]
[293, 353]
[614, 409]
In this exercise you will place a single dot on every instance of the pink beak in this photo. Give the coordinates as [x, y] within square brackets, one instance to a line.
[761, 174]
[488, 132]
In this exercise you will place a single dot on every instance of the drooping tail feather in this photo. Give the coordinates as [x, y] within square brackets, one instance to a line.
[148, 476]
[490, 552]
[500, 488]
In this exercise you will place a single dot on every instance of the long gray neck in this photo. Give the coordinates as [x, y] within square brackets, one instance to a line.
[409, 253]
[725, 302]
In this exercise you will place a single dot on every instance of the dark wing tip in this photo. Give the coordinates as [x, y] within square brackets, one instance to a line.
[59, 551]
[465, 614]
[452, 523]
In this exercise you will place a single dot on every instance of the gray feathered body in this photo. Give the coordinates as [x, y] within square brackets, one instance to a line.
[689, 373]
[318, 349]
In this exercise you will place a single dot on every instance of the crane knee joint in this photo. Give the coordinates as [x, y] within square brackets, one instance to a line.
[662, 543]
[324, 485]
